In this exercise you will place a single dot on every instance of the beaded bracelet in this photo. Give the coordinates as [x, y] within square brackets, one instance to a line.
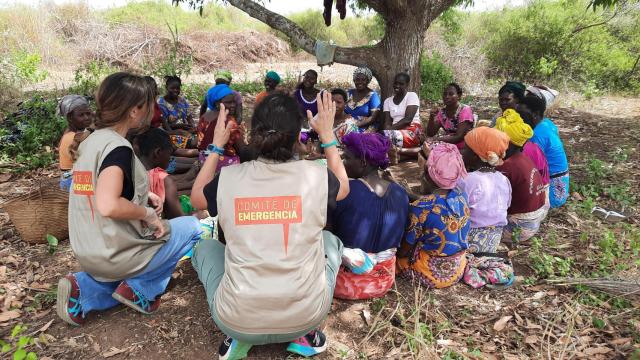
[333, 143]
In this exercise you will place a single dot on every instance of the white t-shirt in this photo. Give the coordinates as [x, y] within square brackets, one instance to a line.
[397, 111]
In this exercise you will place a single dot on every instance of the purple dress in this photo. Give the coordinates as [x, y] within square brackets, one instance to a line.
[306, 105]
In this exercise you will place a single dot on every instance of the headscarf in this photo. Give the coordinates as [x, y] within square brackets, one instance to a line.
[273, 76]
[445, 165]
[69, 103]
[363, 71]
[514, 87]
[216, 93]
[511, 123]
[224, 75]
[547, 94]
[488, 143]
[369, 146]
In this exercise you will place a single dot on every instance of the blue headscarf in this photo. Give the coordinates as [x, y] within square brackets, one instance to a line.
[216, 94]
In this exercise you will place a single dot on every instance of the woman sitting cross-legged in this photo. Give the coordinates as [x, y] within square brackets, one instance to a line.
[528, 203]
[402, 115]
[273, 281]
[370, 221]
[435, 242]
[126, 252]
[488, 191]
[455, 118]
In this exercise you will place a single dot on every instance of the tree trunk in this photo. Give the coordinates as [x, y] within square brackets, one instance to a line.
[399, 51]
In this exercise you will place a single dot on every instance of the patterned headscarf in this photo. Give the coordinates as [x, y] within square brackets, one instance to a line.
[489, 144]
[273, 76]
[70, 103]
[445, 165]
[511, 123]
[363, 71]
[369, 146]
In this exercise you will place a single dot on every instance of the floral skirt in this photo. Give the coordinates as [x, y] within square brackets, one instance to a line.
[491, 271]
[485, 239]
[522, 227]
[406, 138]
[434, 271]
[559, 190]
[373, 284]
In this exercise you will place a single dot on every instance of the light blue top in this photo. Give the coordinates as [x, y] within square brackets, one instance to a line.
[546, 135]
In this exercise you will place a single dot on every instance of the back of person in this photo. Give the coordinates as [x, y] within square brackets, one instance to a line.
[272, 215]
[528, 193]
[546, 135]
[370, 222]
[489, 197]
[533, 152]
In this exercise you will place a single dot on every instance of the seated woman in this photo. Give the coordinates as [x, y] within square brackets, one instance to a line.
[528, 200]
[76, 110]
[225, 77]
[271, 81]
[546, 136]
[343, 123]
[305, 93]
[455, 118]
[176, 115]
[363, 103]
[220, 94]
[371, 219]
[154, 149]
[509, 96]
[435, 242]
[488, 191]
[402, 115]
[156, 120]
[126, 252]
[273, 281]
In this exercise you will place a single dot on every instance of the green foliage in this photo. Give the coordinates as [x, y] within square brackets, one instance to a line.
[434, 75]
[553, 41]
[451, 21]
[546, 265]
[32, 134]
[19, 344]
[174, 62]
[53, 243]
[87, 77]
[17, 70]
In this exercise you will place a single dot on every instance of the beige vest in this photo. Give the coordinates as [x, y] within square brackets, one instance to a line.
[272, 215]
[109, 250]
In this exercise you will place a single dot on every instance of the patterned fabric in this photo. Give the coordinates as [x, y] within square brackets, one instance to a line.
[521, 227]
[373, 284]
[450, 125]
[348, 126]
[559, 190]
[174, 114]
[434, 271]
[439, 223]
[223, 161]
[364, 107]
[488, 271]
[180, 141]
[484, 239]
[407, 138]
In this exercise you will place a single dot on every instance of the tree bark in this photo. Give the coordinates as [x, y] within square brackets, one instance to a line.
[398, 51]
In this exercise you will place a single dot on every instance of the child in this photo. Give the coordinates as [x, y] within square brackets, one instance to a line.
[75, 109]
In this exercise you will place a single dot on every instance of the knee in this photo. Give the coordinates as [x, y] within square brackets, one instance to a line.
[187, 225]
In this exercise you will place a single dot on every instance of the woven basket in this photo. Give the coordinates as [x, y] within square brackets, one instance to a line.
[40, 212]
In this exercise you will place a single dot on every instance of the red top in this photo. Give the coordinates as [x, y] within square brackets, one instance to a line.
[156, 120]
[527, 188]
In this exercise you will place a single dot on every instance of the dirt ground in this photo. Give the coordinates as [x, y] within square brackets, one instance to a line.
[529, 320]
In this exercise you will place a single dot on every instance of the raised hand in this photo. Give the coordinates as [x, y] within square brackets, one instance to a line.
[222, 131]
[322, 123]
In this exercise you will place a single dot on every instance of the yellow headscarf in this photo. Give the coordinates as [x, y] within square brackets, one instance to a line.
[512, 124]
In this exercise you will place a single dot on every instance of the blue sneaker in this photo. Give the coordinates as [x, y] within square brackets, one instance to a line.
[309, 345]
[232, 349]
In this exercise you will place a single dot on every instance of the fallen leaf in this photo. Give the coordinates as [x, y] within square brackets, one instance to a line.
[96, 347]
[113, 352]
[531, 339]
[532, 326]
[489, 348]
[621, 341]
[46, 326]
[539, 295]
[597, 350]
[553, 292]
[5, 177]
[500, 324]
[9, 315]
[366, 314]
[446, 342]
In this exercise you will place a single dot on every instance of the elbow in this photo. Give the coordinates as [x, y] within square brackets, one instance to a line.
[106, 209]
[344, 190]
[198, 200]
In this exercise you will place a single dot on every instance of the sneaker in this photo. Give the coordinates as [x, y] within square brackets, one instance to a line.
[232, 349]
[311, 344]
[135, 300]
[68, 301]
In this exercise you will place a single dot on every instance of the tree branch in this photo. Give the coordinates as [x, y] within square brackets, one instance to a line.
[584, 27]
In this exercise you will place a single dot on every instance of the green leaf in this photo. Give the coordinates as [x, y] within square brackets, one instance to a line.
[53, 243]
[598, 323]
[17, 330]
[6, 348]
[20, 354]
[32, 356]
[24, 341]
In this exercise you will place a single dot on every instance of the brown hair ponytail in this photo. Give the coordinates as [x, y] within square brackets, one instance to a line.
[117, 95]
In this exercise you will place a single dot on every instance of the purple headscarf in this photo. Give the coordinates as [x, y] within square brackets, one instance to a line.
[371, 147]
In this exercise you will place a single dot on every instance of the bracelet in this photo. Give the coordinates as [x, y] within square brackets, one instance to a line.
[215, 149]
[333, 143]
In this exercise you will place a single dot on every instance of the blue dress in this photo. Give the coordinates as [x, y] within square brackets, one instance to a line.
[364, 107]
[548, 139]
[365, 221]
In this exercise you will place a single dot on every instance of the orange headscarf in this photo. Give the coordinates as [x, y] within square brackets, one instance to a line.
[488, 143]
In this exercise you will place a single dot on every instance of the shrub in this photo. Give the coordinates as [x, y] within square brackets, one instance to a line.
[18, 70]
[88, 77]
[434, 75]
[175, 61]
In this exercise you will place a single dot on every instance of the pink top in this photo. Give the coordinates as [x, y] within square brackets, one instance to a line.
[156, 181]
[533, 152]
[489, 197]
[450, 125]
